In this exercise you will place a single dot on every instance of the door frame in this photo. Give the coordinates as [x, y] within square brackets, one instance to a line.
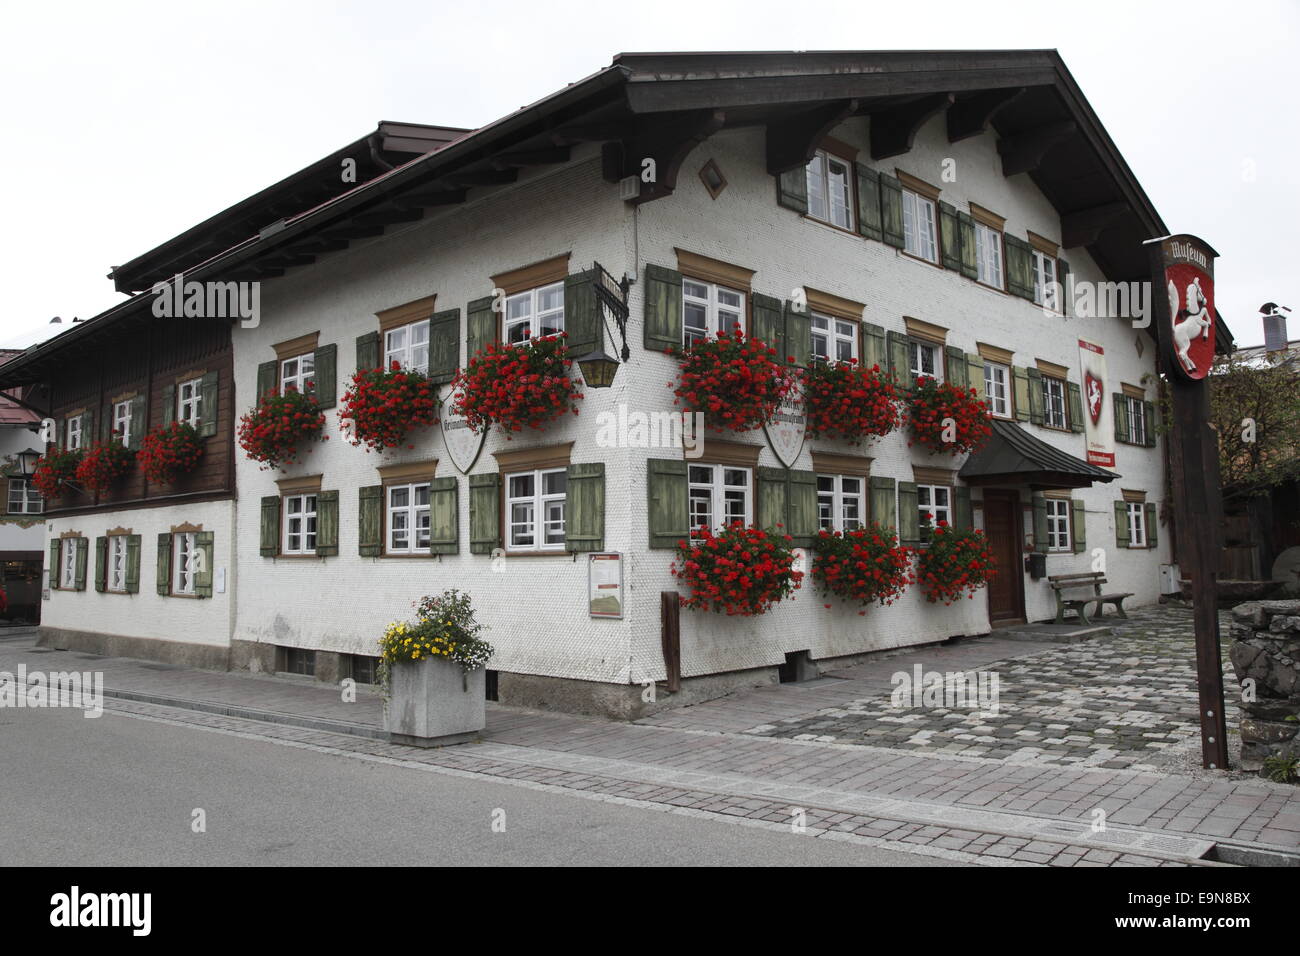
[1012, 497]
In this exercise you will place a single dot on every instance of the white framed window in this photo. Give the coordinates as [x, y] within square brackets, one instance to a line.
[116, 563]
[1054, 415]
[719, 495]
[68, 563]
[535, 313]
[23, 498]
[919, 237]
[1137, 524]
[830, 194]
[926, 360]
[1137, 420]
[1058, 524]
[407, 519]
[300, 524]
[709, 309]
[73, 436]
[997, 389]
[988, 255]
[185, 562]
[296, 373]
[841, 502]
[833, 340]
[408, 346]
[122, 421]
[935, 504]
[189, 401]
[1044, 277]
[535, 509]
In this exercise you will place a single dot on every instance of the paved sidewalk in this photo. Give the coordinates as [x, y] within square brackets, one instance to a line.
[1016, 809]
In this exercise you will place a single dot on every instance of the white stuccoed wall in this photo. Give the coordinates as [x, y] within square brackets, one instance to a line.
[13, 536]
[148, 614]
[536, 607]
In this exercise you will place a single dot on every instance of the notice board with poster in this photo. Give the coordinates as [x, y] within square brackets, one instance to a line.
[605, 584]
[1098, 415]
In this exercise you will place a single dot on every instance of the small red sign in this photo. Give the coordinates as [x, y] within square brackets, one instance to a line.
[1189, 284]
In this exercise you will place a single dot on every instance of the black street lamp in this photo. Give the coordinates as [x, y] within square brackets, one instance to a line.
[27, 462]
[598, 367]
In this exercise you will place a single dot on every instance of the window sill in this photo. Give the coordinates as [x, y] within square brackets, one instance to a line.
[929, 262]
[550, 553]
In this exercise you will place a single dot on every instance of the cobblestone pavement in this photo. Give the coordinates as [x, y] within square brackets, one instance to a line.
[1112, 702]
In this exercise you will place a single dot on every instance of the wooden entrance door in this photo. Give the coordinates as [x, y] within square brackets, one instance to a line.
[1002, 526]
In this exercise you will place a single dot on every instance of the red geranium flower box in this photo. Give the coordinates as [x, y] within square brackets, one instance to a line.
[517, 386]
[104, 463]
[169, 451]
[273, 431]
[862, 565]
[946, 418]
[847, 401]
[382, 405]
[955, 564]
[739, 571]
[54, 470]
[735, 382]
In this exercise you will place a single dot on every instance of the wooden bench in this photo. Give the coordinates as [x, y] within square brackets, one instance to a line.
[1079, 605]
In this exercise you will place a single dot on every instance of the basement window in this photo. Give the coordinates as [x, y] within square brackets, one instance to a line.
[299, 661]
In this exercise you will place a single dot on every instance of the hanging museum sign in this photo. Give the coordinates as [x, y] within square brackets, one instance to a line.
[1098, 413]
[1189, 282]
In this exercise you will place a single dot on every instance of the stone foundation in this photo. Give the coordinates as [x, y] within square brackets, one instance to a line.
[1266, 650]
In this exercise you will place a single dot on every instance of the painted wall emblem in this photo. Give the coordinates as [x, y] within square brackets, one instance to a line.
[463, 445]
[788, 427]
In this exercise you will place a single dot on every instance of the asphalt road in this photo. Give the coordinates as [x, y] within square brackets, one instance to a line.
[122, 791]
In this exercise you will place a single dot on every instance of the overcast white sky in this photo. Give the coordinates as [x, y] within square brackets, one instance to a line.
[123, 123]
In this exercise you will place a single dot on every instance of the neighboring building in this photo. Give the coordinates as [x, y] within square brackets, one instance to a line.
[921, 203]
[22, 531]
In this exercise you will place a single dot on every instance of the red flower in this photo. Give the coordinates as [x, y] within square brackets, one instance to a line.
[956, 564]
[54, 469]
[104, 463]
[516, 386]
[383, 404]
[272, 431]
[757, 567]
[944, 417]
[168, 451]
[850, 402]
[733, 380]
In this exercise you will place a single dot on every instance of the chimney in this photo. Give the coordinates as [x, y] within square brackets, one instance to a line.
[1275, 338]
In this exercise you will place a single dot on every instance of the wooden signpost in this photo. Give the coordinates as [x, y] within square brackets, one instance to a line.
[1182, 301]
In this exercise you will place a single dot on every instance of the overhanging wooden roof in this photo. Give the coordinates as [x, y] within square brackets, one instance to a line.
[1013, 456]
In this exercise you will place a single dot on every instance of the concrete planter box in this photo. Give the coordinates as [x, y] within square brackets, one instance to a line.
[433, 703]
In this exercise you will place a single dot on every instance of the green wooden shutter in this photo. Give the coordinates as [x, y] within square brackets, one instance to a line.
[966, 229]
[1078, 526]
[444, 516]
[975, 374]
[1149, 410]
[1021, 378]
[891, 210]
[444, 345]
[963, 518]
[950, 236]
[133, 564]
[773, 499]
[203, 576]
[1035, 396]
[87, 429]
[876, 355]
[1152, 520]
[909, 514]
[1120, 401]
[139, 409]
[955, 367]
[327, 523]
[1040, 521]
[169, 404]
[666, 501]
[480, 326]
[1020, 267]
[1062, 277]
[1076, 406]
[801, 518]
[884, 510]
[900, 367]
[798, 336]
[267, 378]
[370, 521]
[1121, 524]
[584, 507]
[663, 308]
[164, 565]
[869, 217]
[270, 543]
[208, 407]
[368, 354]
[83, 546]
[792, 189]
[325, 378]
[769, 323]
[582, 319]
[484, 513]
[55, 577]
[101, 563]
